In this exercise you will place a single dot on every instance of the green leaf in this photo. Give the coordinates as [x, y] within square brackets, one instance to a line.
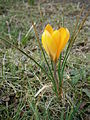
[31, 2]
[75, 76]
[87, 91]
[62, 115]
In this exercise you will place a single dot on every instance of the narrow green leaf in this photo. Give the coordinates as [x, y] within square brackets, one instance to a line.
[62, 115]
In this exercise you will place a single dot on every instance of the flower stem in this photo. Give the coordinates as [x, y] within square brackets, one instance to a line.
[55, 77]
[59, 86]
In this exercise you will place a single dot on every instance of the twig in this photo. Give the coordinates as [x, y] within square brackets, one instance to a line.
[43, 88]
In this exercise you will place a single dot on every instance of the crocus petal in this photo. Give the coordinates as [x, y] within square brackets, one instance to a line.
[56, 37]
[49, 44]
[49, 28]
[64, 37]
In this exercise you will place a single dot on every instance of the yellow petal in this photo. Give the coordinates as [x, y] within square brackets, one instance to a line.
[49, 28]
[49, 44]
[64, 37]
[56, 37]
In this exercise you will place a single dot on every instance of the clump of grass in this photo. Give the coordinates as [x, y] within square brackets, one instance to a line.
[61, 66]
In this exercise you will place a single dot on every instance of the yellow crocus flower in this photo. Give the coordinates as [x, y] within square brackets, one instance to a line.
[54, 41]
